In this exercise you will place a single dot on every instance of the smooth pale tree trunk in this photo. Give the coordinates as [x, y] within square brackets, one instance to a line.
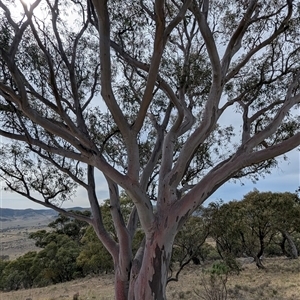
[151, 280]
[293, 248]
[121, 287]
[149, 271]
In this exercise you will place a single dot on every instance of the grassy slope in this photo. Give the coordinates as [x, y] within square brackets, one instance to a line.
[280, 281]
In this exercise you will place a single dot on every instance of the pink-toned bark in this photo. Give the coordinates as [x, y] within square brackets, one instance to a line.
[192, 116]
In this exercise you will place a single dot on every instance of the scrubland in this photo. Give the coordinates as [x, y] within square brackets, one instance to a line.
[279, 281]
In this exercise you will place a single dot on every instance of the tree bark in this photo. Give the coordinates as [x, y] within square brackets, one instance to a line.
[121, 287]
[258, 256]
[282, 245]
[294, 252]
[258, 262]
[151, 281]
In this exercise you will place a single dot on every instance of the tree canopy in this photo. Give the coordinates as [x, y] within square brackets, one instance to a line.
[137, 91]
[237, 232]
[248, 227]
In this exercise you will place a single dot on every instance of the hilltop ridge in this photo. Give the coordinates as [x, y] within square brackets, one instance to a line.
[22, 218]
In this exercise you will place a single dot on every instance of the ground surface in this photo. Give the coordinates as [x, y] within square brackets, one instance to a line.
[280, 281]
[14, 232]
[15, 226]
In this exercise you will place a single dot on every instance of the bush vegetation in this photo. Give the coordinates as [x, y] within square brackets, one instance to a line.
[255, 227]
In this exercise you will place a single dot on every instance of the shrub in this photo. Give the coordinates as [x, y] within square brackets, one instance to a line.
[214, 282]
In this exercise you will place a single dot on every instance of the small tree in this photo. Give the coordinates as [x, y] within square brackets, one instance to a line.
[269, 213]
[188, 245]
[71, 227]
[214, 282]
[284, 212]
[93, 257]
[250, 225]
[166, 72]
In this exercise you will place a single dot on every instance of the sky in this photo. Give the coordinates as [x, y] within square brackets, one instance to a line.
[285, 178]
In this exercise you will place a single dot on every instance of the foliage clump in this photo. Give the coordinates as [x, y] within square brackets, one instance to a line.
[214, 282]
[72, 250]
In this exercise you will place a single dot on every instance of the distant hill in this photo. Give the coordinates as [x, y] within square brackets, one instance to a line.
[29, 212]
[9, 213]
[21, 218]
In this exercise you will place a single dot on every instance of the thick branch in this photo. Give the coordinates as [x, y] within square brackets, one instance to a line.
[115, 210]
[101, 232]
[105, 61]
[154, 65]
[226, 170]
[209, 43]
[132, 222]
[273, 125]
[236, 39]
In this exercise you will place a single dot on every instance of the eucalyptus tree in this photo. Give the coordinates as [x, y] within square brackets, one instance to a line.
[256, 213]
[189, 246]
[227, 224]
[249, 226]
[137, 90]
[284, 212]
[265, 215]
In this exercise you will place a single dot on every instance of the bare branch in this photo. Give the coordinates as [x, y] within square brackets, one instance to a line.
[101, 232]
[181, 14]
[267, 41]
[272, 126]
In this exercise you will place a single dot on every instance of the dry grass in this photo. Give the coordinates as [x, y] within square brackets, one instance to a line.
[14, 232]
[280, 281]
[14, 242]
[100, 288]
